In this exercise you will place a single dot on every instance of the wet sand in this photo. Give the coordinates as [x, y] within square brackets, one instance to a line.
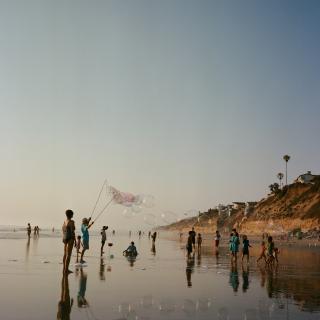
[157, 285]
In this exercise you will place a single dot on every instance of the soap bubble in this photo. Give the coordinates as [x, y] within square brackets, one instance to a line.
[128, 213]
[148, 201]
[150, 219]
[136, 209]
[190, 214]
[169, 217]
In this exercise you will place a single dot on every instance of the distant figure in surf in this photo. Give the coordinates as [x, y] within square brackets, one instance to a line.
[68, 238]
[86, 225]
[29, 230]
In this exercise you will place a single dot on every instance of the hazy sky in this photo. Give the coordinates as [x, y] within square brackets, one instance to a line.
[194, 102]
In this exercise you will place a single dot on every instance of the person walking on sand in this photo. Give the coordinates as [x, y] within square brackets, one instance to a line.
[85, 236]
[68, 238]
[103, 238]
[262, 252]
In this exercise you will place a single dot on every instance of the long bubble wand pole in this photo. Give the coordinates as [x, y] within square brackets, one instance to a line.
[104, 208]
[95, 205]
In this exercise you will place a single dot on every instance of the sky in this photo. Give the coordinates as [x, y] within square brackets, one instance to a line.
[193, 102]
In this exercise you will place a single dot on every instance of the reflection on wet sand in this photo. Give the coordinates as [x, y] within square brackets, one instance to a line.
[190, 269]
[234, 277]
[65, 303]
[82, 301]
[153, 248]
[102, 270]
[28, 249]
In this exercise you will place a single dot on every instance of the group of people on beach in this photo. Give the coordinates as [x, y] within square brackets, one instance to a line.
[70, 241]
[268, 251]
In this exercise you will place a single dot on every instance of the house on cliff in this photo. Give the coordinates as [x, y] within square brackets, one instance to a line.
[306, 177]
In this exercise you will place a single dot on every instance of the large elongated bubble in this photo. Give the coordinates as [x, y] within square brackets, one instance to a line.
[150, 219]
[169, 217]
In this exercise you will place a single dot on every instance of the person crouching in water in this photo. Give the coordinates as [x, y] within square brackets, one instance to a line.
[68, 239]
[103, 238]
[131, 251]
[85, 236]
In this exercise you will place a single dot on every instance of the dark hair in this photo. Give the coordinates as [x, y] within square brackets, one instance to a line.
[132, 242]
[269, 239]
[79, 237]
[69, 214]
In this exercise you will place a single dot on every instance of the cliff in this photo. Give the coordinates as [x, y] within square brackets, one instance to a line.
[296, 206]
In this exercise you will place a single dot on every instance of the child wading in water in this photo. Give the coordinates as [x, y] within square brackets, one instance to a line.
[68, 229]
[245, 248]
[78, 245]
[85, 236]
[262, 252]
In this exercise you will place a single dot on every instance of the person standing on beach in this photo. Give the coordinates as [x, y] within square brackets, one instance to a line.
[245, 248]
[103, 238]
[217, 240]
[68, 233]
[193, 238]
[199, 242]
[29, 230]
[234, 245]
[189, 244]
[85, 236]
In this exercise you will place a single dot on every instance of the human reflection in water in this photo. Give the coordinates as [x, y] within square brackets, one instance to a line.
[199, 259]
[101, 270]
[234, 277]
[82, 301]
[65, 303]
[153, 248]
[190, 269]
[28, 249]
[131, 260]
[245, 278]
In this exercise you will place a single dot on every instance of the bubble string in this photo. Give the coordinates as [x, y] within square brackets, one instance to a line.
[97, 201]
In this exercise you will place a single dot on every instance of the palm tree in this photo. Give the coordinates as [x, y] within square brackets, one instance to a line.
[286, 158]
[280, 177]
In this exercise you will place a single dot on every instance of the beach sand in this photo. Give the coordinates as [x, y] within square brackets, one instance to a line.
[160, 285]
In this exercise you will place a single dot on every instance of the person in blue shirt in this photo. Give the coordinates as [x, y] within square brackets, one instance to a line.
[234, 245]
[131, 251]
[85, 236]
[245, 248]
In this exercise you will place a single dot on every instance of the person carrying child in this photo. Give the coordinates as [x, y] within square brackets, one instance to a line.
[85, 236]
